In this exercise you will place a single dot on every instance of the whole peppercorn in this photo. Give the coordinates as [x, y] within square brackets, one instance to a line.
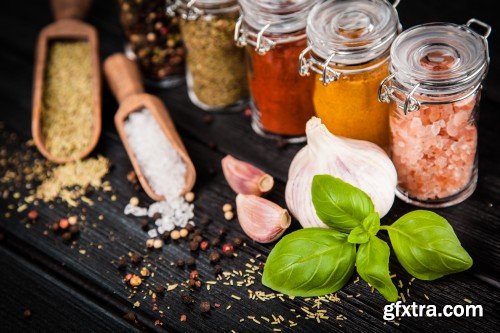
[217, 269]
[55, 226]
[156, 216]
[228, 249]
[130, 317]
[160, 289]
[144, 224]
[74, 229]
[27, 313]
[197, 232]
[189, 227]
[33, 215]
[194, 275]
[204, 245]
[187, 299]
[136, 258]
[193, 246]
[191, 261]
[135, 281]
[214, 257]
[222, 231]
[197, 238]
[192, 283]
[165, 236]
[191, 237]
[205, 307]
[180, 263]
[238, 242]
[63, 224]
[205, 220]
[66, 236]
[214, 242]
[121, 262]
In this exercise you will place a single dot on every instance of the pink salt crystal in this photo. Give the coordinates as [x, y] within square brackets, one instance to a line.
[467, 104]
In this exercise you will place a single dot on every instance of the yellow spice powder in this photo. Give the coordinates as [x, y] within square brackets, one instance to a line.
[349, 107]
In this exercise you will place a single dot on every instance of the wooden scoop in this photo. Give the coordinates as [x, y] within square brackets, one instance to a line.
[68, 27]
[124, 80]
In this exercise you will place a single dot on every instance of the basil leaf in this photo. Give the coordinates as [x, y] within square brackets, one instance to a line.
[427, 246]
[338, 204]
[371, 223]
[358, 235]
[372, 263]
[310, 262]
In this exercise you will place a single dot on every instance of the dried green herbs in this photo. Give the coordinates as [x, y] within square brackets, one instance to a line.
[216, 65]
[67, 114]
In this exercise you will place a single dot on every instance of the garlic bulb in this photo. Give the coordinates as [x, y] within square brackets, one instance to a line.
[244, 178]
[262, 220]
[359, 163]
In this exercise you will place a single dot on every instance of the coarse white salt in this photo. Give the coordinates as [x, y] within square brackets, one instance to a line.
[159, 161]
[164, 170]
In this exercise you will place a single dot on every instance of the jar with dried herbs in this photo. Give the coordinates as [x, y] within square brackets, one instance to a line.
[281, 101]
[215, 66]
[154, 40]
[349, 43]
[434, 91]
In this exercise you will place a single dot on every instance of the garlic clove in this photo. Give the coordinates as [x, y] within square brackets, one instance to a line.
[262, 220]
[244, 178]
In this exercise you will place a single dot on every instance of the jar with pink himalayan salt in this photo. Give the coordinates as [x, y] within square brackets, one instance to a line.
[434, 88]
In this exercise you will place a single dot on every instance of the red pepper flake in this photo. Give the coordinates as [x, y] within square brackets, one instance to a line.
[228, 249]
[33, 215]
[204, 245]
[183, 317]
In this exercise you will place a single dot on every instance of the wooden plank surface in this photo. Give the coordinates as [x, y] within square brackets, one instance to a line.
[93, 273]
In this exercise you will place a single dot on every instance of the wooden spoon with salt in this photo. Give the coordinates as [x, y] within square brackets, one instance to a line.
[124, 80]
[68, 27]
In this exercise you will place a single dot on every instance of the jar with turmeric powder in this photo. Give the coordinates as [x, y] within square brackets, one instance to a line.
[347, 54]
[273, 33]
[434, 89]
[216, 71]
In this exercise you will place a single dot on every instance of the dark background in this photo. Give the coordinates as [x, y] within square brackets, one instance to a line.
[68, 293]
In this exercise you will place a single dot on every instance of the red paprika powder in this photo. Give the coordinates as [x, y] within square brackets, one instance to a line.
[281, 100]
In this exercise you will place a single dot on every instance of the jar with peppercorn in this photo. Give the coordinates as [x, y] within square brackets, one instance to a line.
[434, 89]
[274, 36]
[154, 41]
[348, 53]
[215, 66]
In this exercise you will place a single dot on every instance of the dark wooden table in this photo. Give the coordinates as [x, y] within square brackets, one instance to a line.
[77, 287]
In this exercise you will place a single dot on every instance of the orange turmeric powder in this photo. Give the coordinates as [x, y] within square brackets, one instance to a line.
[349, 107]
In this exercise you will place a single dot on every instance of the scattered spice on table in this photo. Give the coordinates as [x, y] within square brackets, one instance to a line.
[154, 37]
[216, 66]
[70, 181]
[67, 106]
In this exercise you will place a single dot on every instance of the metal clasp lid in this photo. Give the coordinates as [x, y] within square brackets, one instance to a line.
[411, 104]
[262, 43]
[483, 25]
[307, 62]
[192, 13]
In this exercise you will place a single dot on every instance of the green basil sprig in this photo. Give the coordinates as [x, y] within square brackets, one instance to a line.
[317, 261]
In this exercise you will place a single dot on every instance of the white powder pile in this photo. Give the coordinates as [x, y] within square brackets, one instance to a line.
[164, 170]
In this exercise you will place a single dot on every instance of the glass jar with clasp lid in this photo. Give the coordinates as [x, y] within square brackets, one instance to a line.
[216, 73]
[434, 87]
[347, 54]
[273, 33]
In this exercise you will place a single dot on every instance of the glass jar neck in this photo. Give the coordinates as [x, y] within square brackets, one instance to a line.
[193, 9]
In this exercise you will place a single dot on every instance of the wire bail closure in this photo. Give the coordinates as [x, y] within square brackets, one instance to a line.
[192, 13]
[262, 43]
[307, 63]
[483, 25]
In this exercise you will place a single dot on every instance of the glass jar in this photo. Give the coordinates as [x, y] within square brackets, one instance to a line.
[154, 41]
[349, 43]
[215, 65]
[434, 90]
[274, 35]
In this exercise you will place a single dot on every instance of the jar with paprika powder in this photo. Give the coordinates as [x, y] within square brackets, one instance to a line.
[154, 41]
[216, 76]
[274, 35]
[434, 89]
[348, 53]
